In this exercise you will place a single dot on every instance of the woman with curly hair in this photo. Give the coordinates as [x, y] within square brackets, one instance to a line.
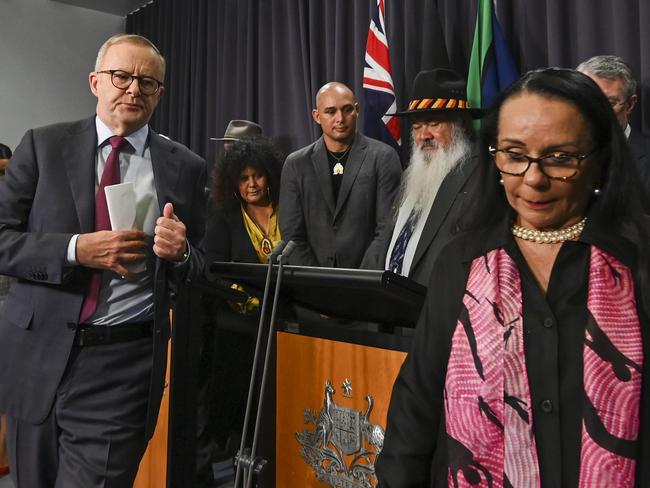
[243, 227]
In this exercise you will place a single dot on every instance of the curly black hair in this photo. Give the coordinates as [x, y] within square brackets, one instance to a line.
[258, 153]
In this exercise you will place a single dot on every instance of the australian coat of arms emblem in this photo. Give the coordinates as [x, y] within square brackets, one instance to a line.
[343, 445]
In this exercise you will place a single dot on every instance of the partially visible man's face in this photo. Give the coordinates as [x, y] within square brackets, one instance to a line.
[3, 165]
[433, 130]
[614, 90]
[125, 111]
[337, 114]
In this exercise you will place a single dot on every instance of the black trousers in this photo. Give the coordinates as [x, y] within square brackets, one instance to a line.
[95, 434]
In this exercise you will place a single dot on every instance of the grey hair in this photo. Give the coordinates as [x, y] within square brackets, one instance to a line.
[610, 67]
[130, 38]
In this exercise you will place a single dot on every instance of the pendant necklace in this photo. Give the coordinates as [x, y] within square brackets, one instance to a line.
[338, 167]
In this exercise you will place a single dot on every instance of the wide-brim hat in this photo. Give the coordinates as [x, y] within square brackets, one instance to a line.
[238, 129]
[439, 90]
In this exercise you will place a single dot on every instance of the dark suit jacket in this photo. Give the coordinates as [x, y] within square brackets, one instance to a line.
[438, 230]
[47, 196]
[226, 238]
[337, 233]
[640, 144]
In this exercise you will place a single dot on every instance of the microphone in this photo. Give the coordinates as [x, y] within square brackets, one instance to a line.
[246, 463]
[288, 249]
[277, 250]
[254, 465]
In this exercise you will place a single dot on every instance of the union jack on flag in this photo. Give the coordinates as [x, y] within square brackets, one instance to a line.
[378, 89]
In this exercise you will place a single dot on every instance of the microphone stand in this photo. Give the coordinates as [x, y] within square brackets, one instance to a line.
[244, 461]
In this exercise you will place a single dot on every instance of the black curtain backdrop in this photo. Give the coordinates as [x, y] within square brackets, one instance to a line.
[263, 60]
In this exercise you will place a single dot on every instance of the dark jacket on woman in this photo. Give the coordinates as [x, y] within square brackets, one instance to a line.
[226, 238]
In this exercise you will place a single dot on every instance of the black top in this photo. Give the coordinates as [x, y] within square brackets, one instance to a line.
[226, 238]
[333, 158]
[553, 343]
[414, 452]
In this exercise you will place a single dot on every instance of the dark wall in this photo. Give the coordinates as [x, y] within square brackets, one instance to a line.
[264, 60]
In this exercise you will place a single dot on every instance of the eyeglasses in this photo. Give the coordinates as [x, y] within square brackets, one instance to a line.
[557, 165]
[123, 79]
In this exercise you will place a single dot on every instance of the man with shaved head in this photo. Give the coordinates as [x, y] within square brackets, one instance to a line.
[337, 192]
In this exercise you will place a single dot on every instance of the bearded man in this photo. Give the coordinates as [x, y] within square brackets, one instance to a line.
[432, 189]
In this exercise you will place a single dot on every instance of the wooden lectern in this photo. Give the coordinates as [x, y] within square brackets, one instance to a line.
[340, 341]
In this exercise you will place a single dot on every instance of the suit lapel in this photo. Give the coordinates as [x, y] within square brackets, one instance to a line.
[79, 156]
[322, 170]
[352, 167]
[447, 193]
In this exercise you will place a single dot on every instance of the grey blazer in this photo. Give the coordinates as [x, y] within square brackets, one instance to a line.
[439, 228]
[640, 145]
[337, 233]
[46, 197]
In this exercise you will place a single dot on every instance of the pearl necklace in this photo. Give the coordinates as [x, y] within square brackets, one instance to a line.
[549, 237]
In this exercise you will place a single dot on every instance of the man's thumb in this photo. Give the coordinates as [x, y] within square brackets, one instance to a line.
[168, 211]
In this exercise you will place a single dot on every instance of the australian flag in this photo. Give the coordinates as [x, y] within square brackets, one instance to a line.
[378, 89]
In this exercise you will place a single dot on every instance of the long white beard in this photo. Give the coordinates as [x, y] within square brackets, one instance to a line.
[427, 170]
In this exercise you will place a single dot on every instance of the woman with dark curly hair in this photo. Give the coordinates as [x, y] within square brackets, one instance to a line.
[243, 227]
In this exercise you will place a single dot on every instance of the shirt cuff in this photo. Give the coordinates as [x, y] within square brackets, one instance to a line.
[71, 256]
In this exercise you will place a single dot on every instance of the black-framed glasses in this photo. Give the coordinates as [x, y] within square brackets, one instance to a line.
[557, 165]
[123, 79]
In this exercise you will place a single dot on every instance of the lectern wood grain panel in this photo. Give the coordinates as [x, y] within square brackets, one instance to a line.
[304, 367]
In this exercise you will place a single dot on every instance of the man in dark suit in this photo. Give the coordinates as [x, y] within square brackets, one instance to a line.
[83, 333]
[337, 192]
[436, 180]
[614, 77]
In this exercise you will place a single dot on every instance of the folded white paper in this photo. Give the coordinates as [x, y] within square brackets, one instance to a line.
[121, 203]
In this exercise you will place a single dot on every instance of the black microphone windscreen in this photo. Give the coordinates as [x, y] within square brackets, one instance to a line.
[288, 249]
[277, 250]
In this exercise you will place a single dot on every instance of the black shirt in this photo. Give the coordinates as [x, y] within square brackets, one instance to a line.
[554, 332]
[333, 159]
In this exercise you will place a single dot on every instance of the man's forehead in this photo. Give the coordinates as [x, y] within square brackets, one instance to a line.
[336, 104]
[335, 98]
[607, 84]
[433, 117]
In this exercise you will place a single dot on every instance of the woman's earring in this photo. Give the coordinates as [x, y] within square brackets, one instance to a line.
[597, 192]
[501, 181]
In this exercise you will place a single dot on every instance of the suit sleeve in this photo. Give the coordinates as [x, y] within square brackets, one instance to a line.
[195, 225]
[414, 448]
[25, 252]
[389, 171]
[292, 218]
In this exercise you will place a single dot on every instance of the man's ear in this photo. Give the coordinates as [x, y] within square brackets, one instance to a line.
[631, 103]
[315, 114]
[92, 82]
